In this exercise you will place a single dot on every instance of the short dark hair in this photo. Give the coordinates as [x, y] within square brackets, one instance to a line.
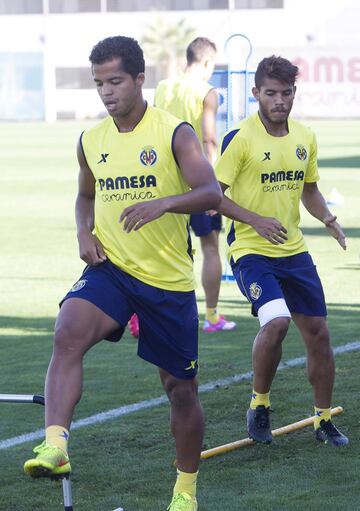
[125, 48]
[198, 49]
[276, 68]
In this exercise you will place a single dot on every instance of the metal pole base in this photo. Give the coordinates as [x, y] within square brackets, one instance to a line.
[67, 493]
[66, 488]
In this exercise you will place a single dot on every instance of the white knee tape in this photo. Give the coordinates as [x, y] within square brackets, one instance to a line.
[271, 310]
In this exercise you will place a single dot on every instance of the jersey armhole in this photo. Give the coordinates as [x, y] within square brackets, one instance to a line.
[82, 147]
[173, 139]
[227, 139]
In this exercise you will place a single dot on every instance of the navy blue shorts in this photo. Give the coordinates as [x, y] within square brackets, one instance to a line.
[202, 224]
[293, 278]
[168, 320]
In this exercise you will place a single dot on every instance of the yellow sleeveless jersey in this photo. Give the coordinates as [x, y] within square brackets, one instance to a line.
[133, 167]
[266, 174]
[183, 96]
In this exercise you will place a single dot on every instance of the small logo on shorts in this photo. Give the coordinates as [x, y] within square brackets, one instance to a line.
[78, 285]
[255, 291]
[193, 365]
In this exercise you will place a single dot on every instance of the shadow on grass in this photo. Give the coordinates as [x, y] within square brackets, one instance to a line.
[349, 267]
[23, 278]
[350, 162]
[343, 322]
[341, 306]
[350, 232]
[34, 324]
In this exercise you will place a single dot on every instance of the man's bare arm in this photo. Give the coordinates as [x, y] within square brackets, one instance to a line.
[267, 227]
[315, 203]
[90, 248]
[208, 125]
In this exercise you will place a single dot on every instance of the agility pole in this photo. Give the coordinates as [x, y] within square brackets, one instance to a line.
[222, 449]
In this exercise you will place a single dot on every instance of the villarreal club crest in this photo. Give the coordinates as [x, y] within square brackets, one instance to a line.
[301, 152]
[148, 156]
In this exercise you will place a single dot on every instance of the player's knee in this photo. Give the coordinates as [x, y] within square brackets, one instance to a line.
[65, 339]
[276, 316]
[211, 253]
[181, 392]
[322, 336]
[319, 342]
[319, 331]
[278, 328]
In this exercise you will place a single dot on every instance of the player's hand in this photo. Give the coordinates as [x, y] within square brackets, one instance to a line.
[335, 230]
[211, 212]
[270, 229]
[137, 215]
[90, 249]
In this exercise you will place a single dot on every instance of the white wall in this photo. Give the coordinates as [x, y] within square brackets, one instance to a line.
[310, 30]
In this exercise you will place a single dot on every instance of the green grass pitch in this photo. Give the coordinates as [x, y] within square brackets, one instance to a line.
[127, 462]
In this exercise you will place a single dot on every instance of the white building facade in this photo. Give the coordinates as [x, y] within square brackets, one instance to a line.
[45, 44]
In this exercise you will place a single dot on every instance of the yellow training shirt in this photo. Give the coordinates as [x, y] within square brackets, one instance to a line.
[266, 174]
[133, 167]
[183, 96]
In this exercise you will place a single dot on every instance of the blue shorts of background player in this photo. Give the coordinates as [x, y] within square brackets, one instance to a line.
[207, 228]
[279, 286]
[202, 224]
[168, 320]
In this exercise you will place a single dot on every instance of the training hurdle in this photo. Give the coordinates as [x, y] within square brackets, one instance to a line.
[245, 442]
[37, 399]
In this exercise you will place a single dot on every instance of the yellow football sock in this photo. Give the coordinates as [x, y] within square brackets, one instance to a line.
[186, 483]
[320, 415]
[212, 314]
[259, 399]
[57, 436]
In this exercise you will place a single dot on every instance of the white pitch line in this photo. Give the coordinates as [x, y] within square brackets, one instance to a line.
[151, 403]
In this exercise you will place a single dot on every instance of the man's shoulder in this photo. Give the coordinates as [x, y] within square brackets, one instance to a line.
[98, 128]
[164, 83]
[300, 128]
[164, 118]
[244, 126]
[203, 87]
[169, 83]
[238, 132]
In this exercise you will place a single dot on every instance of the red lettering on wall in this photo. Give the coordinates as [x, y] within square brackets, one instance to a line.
[327, 66]
[303, 66]
[354, 70]
[328, 69]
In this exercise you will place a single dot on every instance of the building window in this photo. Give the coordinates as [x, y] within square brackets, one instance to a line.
[259, 4]
[81, 78]
[217, 4]
[21, 6]
[74, 78]
[62, 6]
[150, 77]
[136, 5]
[165, 5]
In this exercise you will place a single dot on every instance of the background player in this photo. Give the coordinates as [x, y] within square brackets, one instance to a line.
[269, 165]
[189, 96]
